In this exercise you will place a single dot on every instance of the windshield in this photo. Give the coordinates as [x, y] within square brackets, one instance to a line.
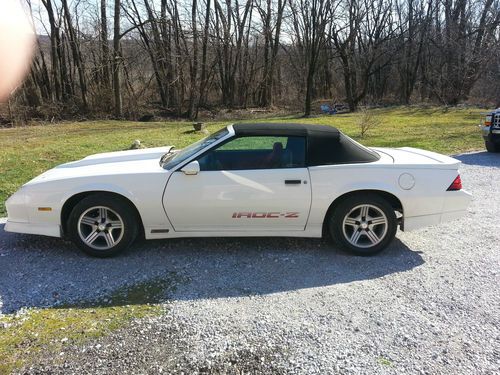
[173, 158]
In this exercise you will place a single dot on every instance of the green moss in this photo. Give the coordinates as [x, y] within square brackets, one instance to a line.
[27, 335]
[151, 291]
[384, 361]
[28, 151]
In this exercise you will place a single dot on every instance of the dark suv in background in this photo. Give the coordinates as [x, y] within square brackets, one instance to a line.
[491, 131]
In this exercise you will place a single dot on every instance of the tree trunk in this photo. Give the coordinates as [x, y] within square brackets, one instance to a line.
[309, 89]
[203, 79]
[77, 57]
[193, 100]
[156, 51]
[106, 78]
[54, 50]
[117, 61]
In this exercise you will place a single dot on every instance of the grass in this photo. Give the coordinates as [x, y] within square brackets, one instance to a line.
[27, 151]
[32, 333]
[384, 361]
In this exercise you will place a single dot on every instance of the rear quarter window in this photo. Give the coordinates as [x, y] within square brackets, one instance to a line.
[342, 150]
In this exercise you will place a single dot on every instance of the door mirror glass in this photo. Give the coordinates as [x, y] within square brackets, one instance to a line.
[191, 168]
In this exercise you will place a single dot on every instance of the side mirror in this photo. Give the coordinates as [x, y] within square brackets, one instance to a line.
[191, 168]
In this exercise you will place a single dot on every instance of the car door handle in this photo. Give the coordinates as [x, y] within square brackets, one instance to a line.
[293, 182]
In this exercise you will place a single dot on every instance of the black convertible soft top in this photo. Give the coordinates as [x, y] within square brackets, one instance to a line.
[326, 145]
[289, 129]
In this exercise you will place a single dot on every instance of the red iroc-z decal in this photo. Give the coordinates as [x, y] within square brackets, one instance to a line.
[265, 215]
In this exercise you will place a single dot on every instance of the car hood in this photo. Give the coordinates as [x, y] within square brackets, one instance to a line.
[109, 163]
[120, 156]
[418, 158]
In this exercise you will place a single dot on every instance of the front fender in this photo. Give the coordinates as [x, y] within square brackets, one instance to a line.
[44, 201]
[98, 187]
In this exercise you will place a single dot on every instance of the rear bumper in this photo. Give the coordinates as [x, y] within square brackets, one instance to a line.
[51, 230]
[455, 205]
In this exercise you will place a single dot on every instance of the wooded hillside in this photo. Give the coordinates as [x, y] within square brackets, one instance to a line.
[127, 58]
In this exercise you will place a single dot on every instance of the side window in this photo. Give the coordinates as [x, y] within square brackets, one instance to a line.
[253, 143]
[256, 152]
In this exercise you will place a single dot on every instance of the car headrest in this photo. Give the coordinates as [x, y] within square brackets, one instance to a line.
[277, 147]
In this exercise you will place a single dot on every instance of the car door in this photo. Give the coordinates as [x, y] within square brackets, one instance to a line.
[251, 183]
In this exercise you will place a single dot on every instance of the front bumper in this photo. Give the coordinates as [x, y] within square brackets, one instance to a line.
[51, 230]
[23, 217]
[490, 134]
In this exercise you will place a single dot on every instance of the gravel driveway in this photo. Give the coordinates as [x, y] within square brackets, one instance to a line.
[429, 304]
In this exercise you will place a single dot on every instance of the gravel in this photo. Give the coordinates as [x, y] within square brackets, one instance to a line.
[428, 304]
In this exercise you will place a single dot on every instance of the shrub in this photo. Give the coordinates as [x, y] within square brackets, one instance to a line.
[367, 120]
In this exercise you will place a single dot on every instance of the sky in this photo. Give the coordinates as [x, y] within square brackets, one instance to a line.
[39, 15]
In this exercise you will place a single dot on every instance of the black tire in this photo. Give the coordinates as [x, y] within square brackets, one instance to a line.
[342, 233]
[492, 147]
[115, 237]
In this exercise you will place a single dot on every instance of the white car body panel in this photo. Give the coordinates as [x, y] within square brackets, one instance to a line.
[417, 158]
[140, 181]
[425, 199]
[210, 200]
[172, 204]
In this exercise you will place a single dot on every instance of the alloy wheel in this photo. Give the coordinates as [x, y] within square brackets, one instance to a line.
[365, 226]
[100, 227]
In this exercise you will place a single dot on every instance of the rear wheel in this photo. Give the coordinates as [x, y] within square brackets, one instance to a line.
[492, 147]
[363, 224]
[102, 225]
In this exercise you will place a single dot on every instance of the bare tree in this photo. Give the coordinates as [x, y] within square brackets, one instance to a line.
[105, 60]
[117, 94]
[310, 19]
[193, 90]
[204, 68]
[182, 58]
[272, 17]
[360, 38]
[415, 18]
[74, 42]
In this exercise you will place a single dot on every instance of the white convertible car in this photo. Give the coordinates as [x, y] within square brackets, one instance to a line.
[244, 180]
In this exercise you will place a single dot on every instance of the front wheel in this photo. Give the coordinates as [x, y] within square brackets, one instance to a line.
[491, 147]
[102, 225]
[363, 224]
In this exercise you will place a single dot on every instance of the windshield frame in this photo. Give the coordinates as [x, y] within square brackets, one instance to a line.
[185, 155]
